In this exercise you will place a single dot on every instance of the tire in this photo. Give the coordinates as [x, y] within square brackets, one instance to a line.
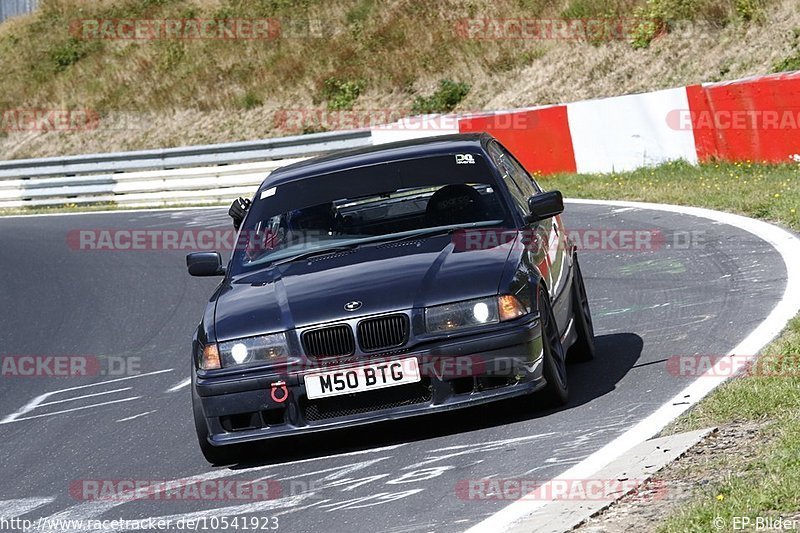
[556, 392]
[583, 348]
[215, 455]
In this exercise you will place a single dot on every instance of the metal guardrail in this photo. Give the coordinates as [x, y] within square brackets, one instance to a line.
[12, 8]
[211, 154]
[194, 174]
[152, 187]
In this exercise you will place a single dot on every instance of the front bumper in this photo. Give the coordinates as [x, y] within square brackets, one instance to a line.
[458, 372]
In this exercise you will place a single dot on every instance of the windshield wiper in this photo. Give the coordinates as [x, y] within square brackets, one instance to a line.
[418, 234]
[430, 232]
[313, 253]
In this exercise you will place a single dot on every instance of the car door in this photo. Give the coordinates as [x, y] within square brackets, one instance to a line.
[550, 231]
[538, 233]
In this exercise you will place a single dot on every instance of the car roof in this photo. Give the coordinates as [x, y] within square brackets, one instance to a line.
[381, 153]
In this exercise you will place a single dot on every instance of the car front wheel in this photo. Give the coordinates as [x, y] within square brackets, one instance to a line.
[556, 392]
[583, 348]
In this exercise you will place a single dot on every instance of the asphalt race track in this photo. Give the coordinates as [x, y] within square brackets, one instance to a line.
[698, 293]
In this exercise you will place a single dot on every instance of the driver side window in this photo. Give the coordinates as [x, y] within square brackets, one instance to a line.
[501, 160]
[521, 177]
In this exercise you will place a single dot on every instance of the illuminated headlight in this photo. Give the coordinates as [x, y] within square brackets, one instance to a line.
[253, 349]
[472, 313]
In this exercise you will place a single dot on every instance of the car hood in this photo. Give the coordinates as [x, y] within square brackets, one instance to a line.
[383, 278]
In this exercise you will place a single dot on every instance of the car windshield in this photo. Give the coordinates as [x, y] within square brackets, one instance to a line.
[373, 203]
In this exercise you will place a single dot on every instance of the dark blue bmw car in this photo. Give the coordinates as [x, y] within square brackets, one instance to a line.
[387, 282]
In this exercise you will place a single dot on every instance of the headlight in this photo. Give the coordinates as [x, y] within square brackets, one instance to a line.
[253, 349]
[472, 313]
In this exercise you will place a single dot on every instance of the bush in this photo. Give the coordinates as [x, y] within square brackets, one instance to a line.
[341, 94]
[444, 100]
[251, 100]
[645, 31]
[750, 10]
[68, 53]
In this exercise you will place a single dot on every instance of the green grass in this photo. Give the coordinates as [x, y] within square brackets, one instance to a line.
[768, 484]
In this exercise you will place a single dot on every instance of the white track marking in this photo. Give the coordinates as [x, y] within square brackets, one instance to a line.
[15, 508]
[241, 509]
[78, 408]
[788, 246]
[179, 386]
[348, 454]
[94, 509]
[136, 416]
[498, 443]
[338, 471]
[371, 500]
[485, 447]
[36, 402]
[85, 396]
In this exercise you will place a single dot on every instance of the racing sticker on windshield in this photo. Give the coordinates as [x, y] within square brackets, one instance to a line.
[465, 159]
[269, 192]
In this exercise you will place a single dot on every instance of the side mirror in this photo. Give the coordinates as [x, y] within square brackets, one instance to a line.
[545, 205]
[205, 264]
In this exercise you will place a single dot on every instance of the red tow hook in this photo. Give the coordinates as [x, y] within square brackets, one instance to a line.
[275, 388]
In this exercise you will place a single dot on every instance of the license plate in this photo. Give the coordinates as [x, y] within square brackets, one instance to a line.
[362, 378]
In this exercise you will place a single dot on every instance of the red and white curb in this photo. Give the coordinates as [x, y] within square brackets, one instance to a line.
[753, 119]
